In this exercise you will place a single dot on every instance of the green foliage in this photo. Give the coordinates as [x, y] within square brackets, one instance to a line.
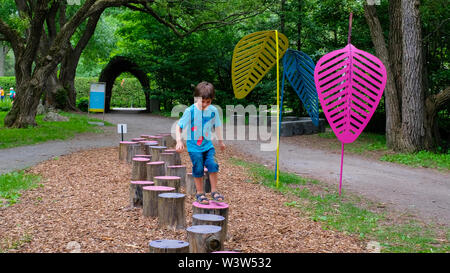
[7, 82]
[348, 214]
[11, 185]
[83, 104]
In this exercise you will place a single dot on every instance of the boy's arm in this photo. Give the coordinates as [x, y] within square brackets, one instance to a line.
[220, 137]
[180, 146]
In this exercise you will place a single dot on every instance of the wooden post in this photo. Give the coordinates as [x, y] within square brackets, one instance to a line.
[168, 246]
[190, 184]
[155, 168]
[178, 170]
[177, 155]
[133, 149]
[160, 140]
[123, 149]
[204, 239]
[168, 158]
[139, 168]
[144, 156]
[156, 150]
[168, 181]
[171, 213]
[210, 219]
[145, 146]
[169, 141]
[213, 208]
[136, 192]
[137, 139]
[150, 199]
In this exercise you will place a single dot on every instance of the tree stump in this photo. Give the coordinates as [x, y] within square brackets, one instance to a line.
[133, 149]
[150, 199]
[145, 146]
[145, 136]
[144, 156]
[136, 192]
[168, 181]
[213, 208]
[137, 139]
[123, 149]
[168, 158]
[190, 184]
[168, 246]
[171, 213]
[169, 141]
[211, 219]
[156, 151]
[155, 168]
[204, 238]
[139, 168]
[177, 156]
[160, 140]
[178, 170]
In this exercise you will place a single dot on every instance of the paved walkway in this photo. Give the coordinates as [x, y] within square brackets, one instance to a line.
[423, 192]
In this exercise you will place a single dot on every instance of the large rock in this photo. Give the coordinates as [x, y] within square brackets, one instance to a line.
[53, 116]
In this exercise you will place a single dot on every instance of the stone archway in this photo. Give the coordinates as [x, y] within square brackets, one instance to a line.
[118, 65]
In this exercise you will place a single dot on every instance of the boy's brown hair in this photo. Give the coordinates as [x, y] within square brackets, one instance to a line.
[205, 90]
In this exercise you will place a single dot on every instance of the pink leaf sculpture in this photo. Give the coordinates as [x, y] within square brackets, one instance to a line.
[349, 83]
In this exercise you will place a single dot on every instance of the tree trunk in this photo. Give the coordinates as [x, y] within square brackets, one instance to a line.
[413, 131]
[3, 51]
[299, 25]
[391, 99]
[282, 16]
[432, 106]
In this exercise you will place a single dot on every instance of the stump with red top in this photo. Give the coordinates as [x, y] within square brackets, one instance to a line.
[171, 213]
[168, 158]
[156, 151]
[168, 181]
[124, 148]
[160, 140]
[168, 246]
[204, 238]
[137, 139]
[177, 155]
[217, 208]
[169, 141]
[145, 146]
[190, 184]
[136, 192]
[139, 168]
[150, 199]
[144, 156]
[155, 168]
[178, 170]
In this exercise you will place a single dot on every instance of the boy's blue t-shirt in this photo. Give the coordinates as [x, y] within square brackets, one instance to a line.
[199, 124]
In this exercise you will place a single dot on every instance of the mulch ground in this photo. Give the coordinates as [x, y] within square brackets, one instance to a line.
[85, 200]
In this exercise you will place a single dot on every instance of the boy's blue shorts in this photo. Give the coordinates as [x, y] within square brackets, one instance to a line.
[200, 160]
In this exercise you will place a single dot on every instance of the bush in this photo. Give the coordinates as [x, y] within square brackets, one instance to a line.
[83, 104]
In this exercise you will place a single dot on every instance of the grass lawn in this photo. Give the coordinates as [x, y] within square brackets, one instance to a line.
[46, 130]
[11, 185]
[352, 214]
[376, 142]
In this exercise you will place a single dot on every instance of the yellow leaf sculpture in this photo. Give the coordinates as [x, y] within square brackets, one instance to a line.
[253, 57]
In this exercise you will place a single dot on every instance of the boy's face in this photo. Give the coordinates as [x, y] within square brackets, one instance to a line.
[204, 103]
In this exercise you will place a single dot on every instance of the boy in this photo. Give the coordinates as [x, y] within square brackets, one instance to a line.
[2, 93]
[198, 120]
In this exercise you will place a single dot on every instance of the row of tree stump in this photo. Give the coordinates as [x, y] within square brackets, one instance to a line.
[158, 180]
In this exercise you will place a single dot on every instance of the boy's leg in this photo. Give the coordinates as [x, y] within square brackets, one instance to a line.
[213, 168]
[197, 173]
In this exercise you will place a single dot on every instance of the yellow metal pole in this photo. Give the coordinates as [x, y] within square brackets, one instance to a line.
[278, 111]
